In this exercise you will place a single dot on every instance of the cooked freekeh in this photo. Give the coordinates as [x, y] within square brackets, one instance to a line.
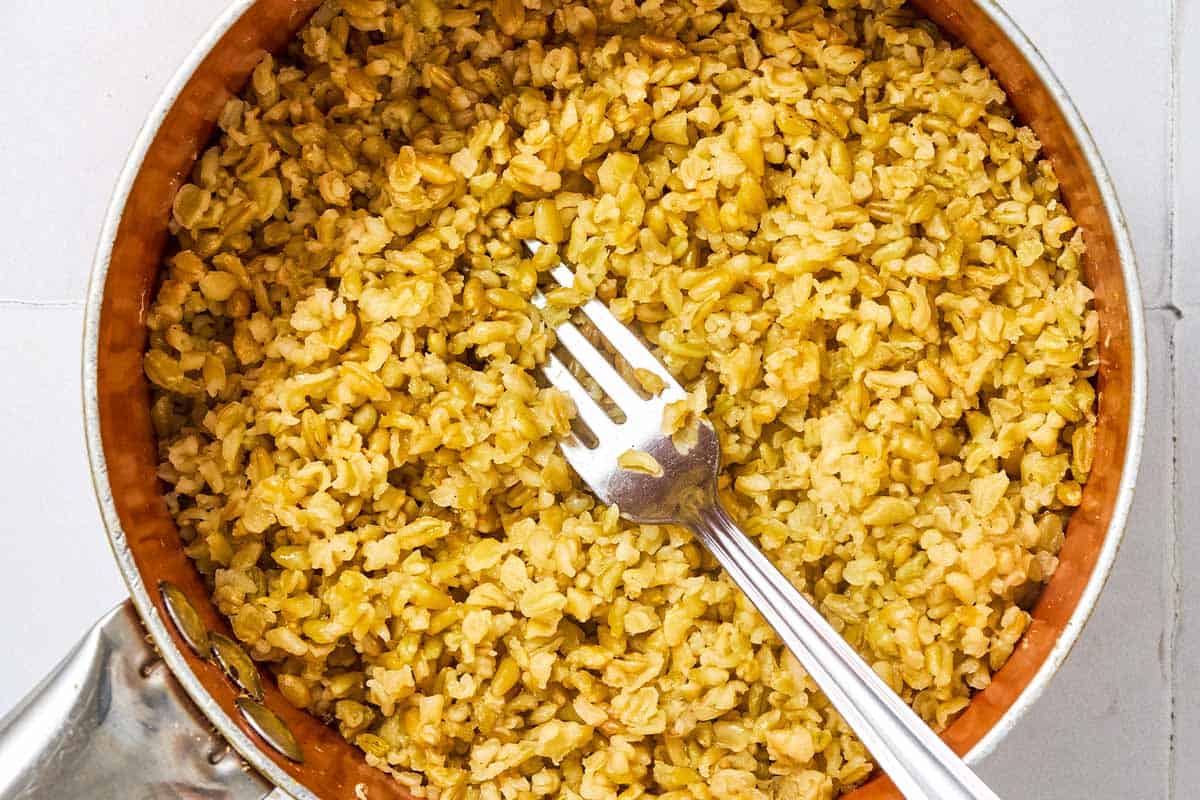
[826, 221]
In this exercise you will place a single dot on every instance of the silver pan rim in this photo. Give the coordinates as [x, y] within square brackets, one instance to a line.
[251, 752]
[155, 624]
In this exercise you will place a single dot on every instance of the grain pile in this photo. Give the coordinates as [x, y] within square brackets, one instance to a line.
[827, 222]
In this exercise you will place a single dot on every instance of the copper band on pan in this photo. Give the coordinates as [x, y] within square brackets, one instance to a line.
[127, 465]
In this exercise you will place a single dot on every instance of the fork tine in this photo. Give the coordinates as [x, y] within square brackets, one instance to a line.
[623, 340]
[596, 365]
[592, 414]
[628, 345]
[576, 451]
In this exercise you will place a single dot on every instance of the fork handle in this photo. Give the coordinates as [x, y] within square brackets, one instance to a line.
[921, 765]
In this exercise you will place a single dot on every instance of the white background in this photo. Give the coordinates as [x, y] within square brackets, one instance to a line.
[76, 80]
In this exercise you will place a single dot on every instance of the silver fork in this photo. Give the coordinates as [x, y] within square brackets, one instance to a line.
[917, 761]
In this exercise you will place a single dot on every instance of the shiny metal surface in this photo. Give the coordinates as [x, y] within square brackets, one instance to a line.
[111, 721]
[921, 765]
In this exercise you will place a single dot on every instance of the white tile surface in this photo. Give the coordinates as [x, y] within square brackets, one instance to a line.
[1117, 68]
[78, 79]
[1186, 284]
[58, 567]
[1187, 557]
[1104, 728]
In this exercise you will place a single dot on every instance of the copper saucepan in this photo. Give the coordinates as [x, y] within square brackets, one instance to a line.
[118, 719]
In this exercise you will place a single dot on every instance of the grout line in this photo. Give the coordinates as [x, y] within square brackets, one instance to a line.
[1174, 552]
[14, 301]
[1173, 79]
[1176, 311]
[1174, 569]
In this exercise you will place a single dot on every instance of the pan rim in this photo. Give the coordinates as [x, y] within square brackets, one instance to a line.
[228, 727]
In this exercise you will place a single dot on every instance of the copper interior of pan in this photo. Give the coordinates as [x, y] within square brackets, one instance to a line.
[333, 768]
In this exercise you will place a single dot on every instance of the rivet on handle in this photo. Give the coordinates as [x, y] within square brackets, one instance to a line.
[237, 665]
[267, 724]
[186, 618]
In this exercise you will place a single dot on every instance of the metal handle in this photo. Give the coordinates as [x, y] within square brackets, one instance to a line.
[112, 722]
[917, 761]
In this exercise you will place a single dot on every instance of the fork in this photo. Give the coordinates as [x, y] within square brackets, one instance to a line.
[684, 492]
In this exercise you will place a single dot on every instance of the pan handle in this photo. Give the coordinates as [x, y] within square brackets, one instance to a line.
[112, 722]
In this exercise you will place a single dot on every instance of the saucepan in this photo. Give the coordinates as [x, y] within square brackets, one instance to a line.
[137, 710]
